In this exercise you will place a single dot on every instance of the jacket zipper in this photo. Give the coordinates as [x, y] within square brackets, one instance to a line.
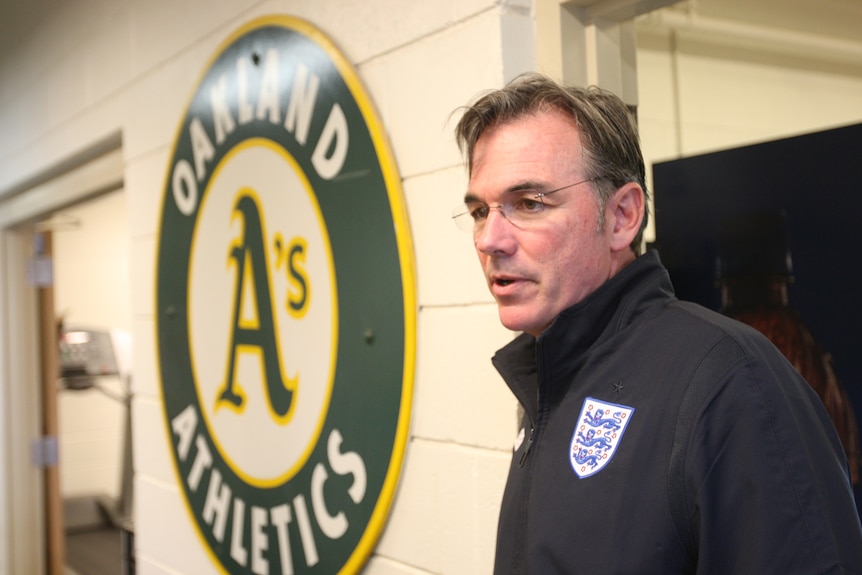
[526, 451]
[520, 559]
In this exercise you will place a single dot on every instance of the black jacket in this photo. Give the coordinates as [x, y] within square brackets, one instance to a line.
[662, 438]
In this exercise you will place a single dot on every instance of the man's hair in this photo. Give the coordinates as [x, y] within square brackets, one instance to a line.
[609, 138]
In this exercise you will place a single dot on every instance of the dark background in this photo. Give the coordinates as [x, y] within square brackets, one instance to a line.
[816, 181]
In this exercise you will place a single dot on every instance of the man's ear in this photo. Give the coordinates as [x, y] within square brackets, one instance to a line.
[625, 213]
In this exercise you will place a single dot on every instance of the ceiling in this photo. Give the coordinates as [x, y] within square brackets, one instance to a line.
[21, 20]
[834, 19]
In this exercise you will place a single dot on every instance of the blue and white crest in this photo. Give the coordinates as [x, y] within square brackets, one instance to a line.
[597, 435]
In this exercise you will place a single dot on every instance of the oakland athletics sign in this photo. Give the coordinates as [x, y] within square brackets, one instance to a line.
[285, 307]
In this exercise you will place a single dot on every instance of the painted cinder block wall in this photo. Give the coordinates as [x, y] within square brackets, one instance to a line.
[97, 69]
[443, 519]
[444, 516]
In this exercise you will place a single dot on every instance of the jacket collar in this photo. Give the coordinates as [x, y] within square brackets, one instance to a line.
[561, 349]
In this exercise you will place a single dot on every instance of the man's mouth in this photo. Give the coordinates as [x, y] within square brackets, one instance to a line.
[502, 281]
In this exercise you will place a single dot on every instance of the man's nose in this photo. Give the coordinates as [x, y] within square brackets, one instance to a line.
[495, 236]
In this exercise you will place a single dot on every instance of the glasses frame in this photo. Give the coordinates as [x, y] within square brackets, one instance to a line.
[464, 220]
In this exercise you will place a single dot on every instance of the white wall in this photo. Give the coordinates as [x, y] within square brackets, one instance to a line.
[701, 93]
[91, 290]
[92, 68]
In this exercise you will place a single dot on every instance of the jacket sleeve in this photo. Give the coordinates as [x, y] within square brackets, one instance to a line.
[766, 487]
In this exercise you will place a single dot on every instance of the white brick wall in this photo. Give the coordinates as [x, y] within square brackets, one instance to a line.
[416, 76]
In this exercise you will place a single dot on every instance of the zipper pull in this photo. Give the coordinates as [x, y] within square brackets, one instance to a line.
[523, 459]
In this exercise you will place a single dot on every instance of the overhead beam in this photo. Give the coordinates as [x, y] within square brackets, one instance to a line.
[619, 10]
[592, 42]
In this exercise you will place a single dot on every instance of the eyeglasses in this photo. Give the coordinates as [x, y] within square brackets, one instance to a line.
[526, 209]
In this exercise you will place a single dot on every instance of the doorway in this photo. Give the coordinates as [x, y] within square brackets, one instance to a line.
[28, 540]
[91, 301]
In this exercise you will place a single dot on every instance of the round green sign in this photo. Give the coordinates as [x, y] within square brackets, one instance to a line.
[285, 307]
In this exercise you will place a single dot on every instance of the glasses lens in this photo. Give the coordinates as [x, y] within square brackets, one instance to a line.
[522, 211]
[463, 219]
[525, 211]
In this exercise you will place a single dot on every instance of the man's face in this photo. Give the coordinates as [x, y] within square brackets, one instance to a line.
[536, 271]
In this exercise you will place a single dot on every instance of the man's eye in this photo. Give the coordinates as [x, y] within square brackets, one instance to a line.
[479, 212]
[530, 205]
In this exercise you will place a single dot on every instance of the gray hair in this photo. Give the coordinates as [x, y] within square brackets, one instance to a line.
[609, 137]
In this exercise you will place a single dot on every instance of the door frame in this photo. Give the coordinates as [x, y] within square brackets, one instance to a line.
[26, 532]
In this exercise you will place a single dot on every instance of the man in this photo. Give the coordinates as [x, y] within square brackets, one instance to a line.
[658, 437]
